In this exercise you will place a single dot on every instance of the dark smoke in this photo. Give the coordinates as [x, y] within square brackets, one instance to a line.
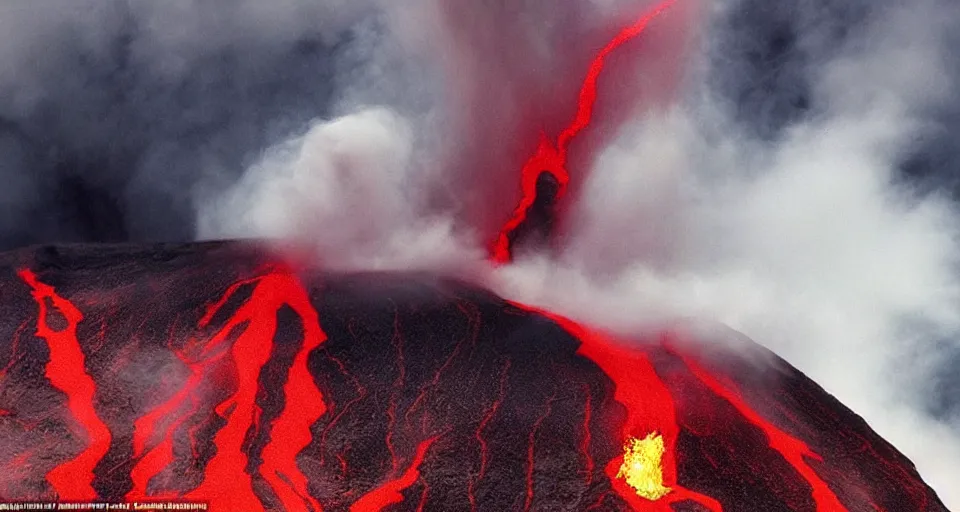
[113, 114]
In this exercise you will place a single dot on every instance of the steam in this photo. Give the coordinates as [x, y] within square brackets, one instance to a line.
[343, 188]
[811, 242]
[789, 178]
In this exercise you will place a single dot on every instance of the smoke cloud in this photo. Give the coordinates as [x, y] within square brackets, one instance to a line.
[112, 113]
[786, 169]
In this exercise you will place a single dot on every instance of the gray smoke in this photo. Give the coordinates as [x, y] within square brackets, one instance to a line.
[114, 113]
[786, 168]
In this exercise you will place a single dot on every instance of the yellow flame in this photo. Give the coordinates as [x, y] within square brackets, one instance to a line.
[642, 466]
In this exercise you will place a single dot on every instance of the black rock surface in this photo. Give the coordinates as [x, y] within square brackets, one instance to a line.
[211, 373]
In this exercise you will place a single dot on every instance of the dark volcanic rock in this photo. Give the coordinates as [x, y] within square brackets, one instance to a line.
[202, 372]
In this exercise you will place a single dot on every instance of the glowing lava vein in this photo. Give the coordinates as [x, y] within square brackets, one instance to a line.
[390, 492]
[553, 158]
[793, 450]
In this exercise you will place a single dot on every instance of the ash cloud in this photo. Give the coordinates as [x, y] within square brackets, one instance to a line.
[787, 169]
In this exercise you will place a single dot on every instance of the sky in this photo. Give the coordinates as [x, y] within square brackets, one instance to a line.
[789, 169]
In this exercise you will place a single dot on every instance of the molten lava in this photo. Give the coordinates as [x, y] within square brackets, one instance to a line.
[414, 394]
[390, 492]
[552, 158]
[793, 450]
[66, 371]
[226, 483]
[416, 391]
[649, 405]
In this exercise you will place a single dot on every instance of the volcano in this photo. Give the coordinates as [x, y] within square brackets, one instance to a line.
[212, 373]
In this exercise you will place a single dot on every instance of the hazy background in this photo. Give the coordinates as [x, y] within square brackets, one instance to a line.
[788, 168]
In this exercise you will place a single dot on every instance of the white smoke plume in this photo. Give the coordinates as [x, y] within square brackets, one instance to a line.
[809, 245]
[343, 188]
[805, 238]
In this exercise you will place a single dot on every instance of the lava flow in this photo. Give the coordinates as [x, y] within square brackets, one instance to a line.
[500, 406]
[552, 158]
[66, 371]
[390, 492]
[793, 450]
[275, 412]
[650, 411]
[226, 483]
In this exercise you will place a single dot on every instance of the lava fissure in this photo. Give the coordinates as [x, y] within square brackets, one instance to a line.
[361, 394]
[435, 381]
[15, 353]
[478, 435]
[648, 403]
[531, 445]
[585, 442]
[397, 342]
[423, 499]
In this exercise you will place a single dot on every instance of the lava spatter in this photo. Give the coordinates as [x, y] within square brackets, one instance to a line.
[552, 157]
[66, 371]
[642, 466]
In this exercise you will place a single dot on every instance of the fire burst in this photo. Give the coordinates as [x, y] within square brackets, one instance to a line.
[642, 466]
